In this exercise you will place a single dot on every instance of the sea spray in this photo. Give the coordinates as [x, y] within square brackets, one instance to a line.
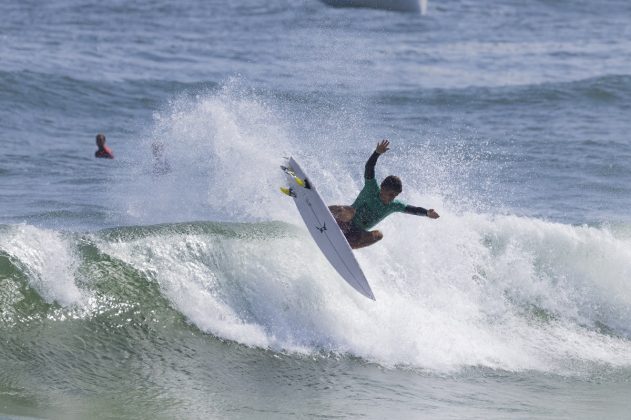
[448, 295]
[473, 288]
[47, 258]
[223, 149]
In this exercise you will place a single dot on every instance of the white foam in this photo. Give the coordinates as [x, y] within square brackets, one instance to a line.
[479, 284]
[466, 290]
[192, 273]
[48, 259]
[223, 151]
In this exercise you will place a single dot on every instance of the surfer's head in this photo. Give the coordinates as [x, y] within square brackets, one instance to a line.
[390, 188]
[100, 140]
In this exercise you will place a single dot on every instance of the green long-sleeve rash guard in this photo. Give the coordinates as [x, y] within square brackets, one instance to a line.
[369, 209]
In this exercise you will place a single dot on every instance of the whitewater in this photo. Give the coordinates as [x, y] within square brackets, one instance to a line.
[176, 281]
[475, 289]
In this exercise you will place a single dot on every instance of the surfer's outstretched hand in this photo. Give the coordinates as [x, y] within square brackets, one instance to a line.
[431, 213]
[383, 146]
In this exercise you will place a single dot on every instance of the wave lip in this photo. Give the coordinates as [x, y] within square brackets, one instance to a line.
[48, 259]
[499, 292]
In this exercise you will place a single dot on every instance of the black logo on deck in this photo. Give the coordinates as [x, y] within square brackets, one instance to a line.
[321, 229]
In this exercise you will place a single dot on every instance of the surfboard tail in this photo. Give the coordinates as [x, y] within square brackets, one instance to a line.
[289, 171]
[324, 229]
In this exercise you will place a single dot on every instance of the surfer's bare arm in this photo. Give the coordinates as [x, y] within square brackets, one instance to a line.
[420, 211]
[382, 147]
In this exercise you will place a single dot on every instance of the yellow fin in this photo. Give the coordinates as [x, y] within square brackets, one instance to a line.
[299, 181]
[288, 191]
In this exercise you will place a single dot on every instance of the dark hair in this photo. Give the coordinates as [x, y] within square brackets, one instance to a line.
[100, 137]
[392, 183]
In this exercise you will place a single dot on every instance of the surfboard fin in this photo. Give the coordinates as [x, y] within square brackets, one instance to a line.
[288, 191]
[288, 170]
[302, 182]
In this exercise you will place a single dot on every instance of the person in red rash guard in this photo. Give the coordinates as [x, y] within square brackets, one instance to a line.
[104, 151]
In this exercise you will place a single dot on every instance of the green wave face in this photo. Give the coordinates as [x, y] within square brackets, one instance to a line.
[151, 319]
[117, 339]
[103, 281]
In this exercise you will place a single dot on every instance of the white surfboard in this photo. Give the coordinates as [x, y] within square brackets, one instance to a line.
[324, 229]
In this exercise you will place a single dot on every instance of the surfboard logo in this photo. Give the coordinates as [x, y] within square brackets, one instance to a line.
[321, 229]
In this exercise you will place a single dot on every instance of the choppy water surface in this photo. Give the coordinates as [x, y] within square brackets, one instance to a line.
[182, 285]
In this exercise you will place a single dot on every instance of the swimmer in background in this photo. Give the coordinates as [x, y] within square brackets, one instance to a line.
[104, 151]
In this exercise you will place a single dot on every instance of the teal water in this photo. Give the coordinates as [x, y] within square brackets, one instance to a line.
[229, 320]
[183, 285]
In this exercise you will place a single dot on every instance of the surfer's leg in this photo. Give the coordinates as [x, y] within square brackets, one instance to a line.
[365, 239]
[342, 213]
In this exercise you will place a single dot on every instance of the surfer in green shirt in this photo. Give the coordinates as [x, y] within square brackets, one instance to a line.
[373, 204]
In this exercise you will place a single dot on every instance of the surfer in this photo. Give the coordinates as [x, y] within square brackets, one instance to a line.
[373, 204]
[104, 151]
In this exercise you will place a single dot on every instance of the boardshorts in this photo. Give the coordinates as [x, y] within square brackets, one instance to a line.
[351, 232]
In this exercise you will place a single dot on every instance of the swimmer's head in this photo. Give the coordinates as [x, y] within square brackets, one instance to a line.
[100, 140]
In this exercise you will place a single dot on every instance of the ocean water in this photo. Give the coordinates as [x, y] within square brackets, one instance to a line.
[182, 284]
